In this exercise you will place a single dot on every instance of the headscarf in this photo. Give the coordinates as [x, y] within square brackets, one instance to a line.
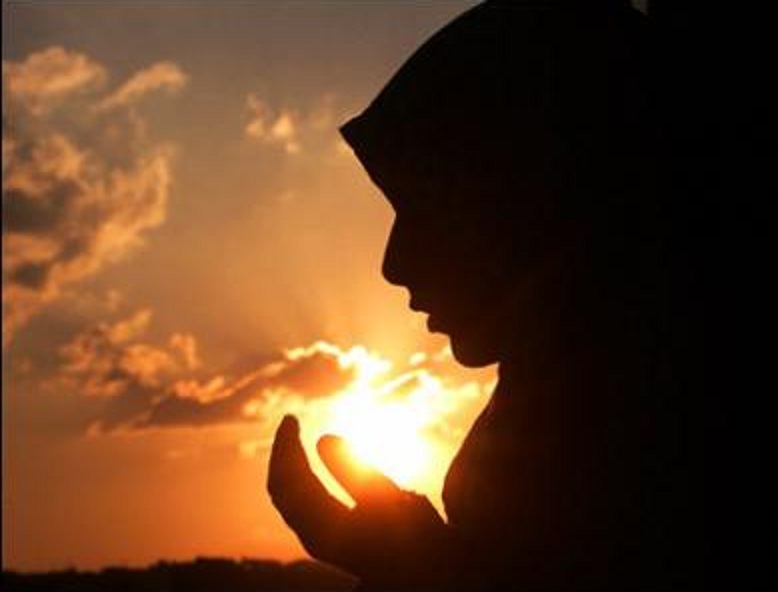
[510, 94]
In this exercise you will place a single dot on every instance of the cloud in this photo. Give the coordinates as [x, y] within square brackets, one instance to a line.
[50, 75]
[160, 76]
[80, 189]
[186, 345]
[295, 130]
[109, 359]
[125, 374]
[144, 385]
[270, 127]
[138, 384]
[312, 372]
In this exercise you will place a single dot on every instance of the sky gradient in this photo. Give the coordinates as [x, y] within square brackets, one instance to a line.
[190, 252]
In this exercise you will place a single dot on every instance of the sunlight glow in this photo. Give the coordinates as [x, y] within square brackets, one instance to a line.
[404, 416]
[385, 422]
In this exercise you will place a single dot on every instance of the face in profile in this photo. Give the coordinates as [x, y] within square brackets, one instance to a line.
[503, 145]
[452, 258]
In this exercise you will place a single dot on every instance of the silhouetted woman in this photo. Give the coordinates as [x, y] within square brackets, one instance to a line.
[527, 151]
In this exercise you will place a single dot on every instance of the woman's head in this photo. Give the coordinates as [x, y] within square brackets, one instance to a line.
[506, 142]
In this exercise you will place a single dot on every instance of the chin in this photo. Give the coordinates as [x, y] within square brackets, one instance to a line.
[472, 353]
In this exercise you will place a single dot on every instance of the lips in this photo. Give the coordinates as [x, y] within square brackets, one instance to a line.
[439, 316]
[419, 305]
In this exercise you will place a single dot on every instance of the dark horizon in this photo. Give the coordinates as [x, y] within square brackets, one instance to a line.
[198, 574]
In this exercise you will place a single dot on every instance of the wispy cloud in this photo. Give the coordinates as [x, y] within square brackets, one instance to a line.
[160, 76]
[81, 189]
[291, 129]
[275, 128]
[50, 75]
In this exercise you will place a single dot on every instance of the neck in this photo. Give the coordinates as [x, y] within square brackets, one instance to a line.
[585, 340]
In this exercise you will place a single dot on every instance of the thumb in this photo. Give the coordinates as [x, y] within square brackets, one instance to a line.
[365, 484]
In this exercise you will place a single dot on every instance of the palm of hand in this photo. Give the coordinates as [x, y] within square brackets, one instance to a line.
[391, 538]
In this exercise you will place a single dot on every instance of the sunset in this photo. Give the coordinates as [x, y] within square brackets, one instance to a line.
[190, 253]
[344, 295]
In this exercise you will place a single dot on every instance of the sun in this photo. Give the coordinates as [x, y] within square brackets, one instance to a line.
[404, 417]
[387, 436]
[387, 423]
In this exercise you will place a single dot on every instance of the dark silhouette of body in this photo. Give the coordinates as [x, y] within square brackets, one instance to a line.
[545, 221]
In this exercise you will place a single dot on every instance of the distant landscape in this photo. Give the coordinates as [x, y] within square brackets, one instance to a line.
[200, 575]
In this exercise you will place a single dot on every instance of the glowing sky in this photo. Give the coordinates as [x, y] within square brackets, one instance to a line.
[189, 252]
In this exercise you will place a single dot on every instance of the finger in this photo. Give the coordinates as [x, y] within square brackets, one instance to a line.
[305, 504]
[291, 481]
[288, 470]
[361, 481]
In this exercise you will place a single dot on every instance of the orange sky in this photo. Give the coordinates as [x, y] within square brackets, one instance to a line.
[189, 252]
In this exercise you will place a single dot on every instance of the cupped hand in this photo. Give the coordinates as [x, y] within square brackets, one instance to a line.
[391, 538]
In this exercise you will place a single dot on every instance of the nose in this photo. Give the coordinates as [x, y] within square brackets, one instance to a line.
[397, 267]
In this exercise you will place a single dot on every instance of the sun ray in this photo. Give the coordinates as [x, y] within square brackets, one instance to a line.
[390, 417]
